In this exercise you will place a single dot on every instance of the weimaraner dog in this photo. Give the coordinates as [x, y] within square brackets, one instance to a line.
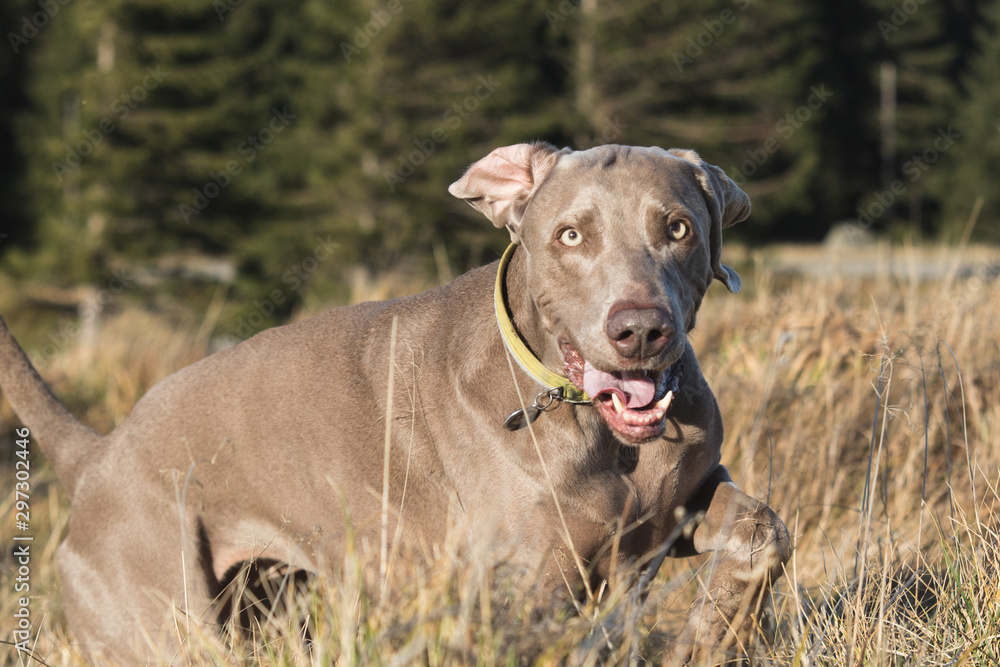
[548, 399]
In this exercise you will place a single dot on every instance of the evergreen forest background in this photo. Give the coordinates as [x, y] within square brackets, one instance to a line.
[236, 141]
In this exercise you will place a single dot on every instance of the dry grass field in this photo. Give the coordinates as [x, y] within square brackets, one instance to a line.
[864, 408]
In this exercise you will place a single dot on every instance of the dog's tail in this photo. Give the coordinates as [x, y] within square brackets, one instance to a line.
[63, 438]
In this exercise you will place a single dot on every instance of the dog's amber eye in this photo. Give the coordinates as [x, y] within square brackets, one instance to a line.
[571, 238]
[678, 229]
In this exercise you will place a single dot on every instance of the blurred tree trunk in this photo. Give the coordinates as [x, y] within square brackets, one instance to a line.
[584, 72]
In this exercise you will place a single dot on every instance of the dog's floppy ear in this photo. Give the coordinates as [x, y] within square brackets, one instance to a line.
[727, 205]
[502, 183]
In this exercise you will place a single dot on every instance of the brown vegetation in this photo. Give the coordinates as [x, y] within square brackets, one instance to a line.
[866, 410]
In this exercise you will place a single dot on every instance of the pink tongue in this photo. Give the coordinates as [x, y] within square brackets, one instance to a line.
[635, 387]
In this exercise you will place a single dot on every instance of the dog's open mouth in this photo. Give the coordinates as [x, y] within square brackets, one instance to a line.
[633, 403]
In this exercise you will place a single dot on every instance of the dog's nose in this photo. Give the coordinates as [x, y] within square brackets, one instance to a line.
[639, 332]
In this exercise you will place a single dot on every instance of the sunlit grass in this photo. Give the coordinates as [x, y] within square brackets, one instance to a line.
[866, 412]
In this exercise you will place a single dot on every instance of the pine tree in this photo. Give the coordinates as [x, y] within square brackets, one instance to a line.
[721, 77]
[251, 131]
[414, 96]
[60, 133]
[15, 228]
[918, 52]
[974, 160]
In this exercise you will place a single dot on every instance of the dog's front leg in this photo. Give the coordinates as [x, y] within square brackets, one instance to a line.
[750, 546]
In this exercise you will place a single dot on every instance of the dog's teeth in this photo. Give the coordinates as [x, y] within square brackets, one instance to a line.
[664, 402]
[619, 406]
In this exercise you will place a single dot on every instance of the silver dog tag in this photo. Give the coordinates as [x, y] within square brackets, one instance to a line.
[521, 418]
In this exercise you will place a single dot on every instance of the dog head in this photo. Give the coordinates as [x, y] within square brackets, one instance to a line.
[621, 244]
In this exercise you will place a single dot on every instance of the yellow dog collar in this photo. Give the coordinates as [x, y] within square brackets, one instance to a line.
[528, 362]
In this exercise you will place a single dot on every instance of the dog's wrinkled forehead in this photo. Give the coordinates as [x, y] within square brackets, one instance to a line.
[613, 155]
[613, 177]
